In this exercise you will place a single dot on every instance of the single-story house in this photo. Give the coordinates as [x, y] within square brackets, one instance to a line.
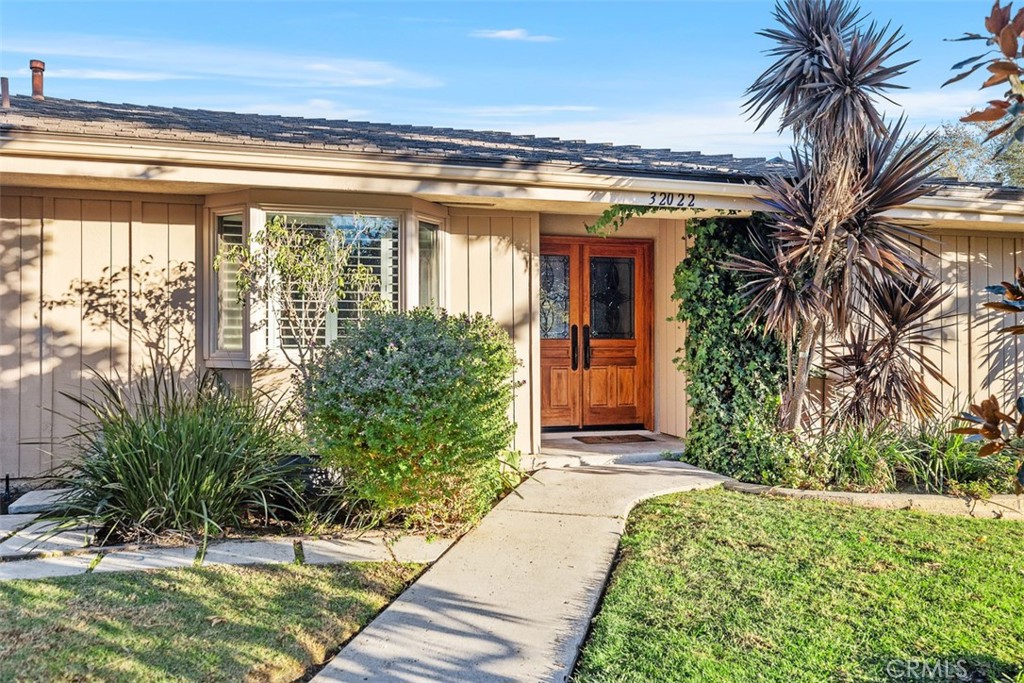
[112, 215]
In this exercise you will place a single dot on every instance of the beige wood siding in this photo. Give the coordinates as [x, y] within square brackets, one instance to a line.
[491, 264]
[60, 308]
[976, 360]
[50, 336]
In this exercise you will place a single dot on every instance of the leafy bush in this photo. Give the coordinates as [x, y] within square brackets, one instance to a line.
[733, 374]
[162, 455]
[413, 408]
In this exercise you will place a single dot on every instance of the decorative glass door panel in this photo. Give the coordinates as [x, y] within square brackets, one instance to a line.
[596, 332]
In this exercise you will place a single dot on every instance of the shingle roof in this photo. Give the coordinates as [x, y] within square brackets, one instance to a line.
[375, 139]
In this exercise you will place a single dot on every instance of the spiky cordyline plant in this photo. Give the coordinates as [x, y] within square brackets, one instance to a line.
[784, 294]
[882, 364]
[829, 70]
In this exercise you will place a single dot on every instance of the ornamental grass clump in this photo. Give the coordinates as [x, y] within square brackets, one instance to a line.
[164, 454]
[413, 407]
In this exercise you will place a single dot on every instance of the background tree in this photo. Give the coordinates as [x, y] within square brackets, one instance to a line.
[968, 157]
[850, 166]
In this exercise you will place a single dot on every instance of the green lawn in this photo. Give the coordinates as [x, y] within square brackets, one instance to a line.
[721, 587]
[209, 624]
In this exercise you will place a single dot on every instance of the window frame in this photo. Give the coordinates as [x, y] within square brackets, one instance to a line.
[442, 259]
[215, 357]
[263, 339]
[255, 347]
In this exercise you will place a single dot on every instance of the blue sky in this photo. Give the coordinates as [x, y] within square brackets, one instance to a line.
[660, 74]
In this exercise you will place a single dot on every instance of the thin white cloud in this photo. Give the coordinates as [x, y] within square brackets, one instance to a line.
[115, 75]
[933, 106]
[520, 34]
[499, 111]
[208, 61]
[713, 129]
[311, 109]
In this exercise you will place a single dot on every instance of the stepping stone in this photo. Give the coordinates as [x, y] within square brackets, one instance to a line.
[46, 567]
[34, 540]
[250, 552]
[11, 523]
[419, 549]
[345, 550]
[374, 549]
[157, 558]
[41, 500]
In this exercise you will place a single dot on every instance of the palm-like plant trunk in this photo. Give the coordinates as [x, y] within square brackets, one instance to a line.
[835, 162]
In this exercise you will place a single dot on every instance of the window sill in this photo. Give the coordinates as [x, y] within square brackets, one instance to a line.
[227, 363]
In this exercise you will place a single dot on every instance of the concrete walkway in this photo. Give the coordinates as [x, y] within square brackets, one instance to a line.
[512, 600]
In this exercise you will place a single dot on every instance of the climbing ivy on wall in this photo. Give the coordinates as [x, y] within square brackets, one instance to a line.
[734, 373]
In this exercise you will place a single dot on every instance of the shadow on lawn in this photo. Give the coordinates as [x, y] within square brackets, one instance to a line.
[266, 624]
[421, 615]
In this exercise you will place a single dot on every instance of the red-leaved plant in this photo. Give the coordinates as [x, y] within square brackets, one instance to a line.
[1001, 431]
[1006, 67]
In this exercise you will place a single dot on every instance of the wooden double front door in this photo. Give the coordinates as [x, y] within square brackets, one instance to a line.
[596, 327]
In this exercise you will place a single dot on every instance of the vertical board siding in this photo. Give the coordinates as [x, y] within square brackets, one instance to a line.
[671, 400]
[30, 387]
[491, 271]
[59, 318]
[50, 338]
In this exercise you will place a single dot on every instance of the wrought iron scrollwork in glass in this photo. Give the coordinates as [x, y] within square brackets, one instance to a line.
[554, 296]
[611, 297]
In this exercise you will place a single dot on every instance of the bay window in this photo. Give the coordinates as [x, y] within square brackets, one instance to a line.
[373, 278]
[375, 242]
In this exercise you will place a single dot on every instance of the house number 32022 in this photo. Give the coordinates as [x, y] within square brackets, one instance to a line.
[677, 199]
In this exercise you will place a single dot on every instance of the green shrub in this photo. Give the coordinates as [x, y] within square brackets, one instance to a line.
[414, 408]
[890, 457]
[733, 373]
[161, 454]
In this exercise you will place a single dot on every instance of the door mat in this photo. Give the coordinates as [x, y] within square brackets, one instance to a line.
[615, 438]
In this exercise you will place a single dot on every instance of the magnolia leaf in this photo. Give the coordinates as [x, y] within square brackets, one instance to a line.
[990, 114]
[995, 79]
[997, 20]
[990, 449]
[1004, 67]
[971, 418]
[1008, 41]
[963, 75]
[996, 132]
[996, 289]
[969, 60]
[1004, 306]
[966, 37]
[965, 430]
[1020, 405]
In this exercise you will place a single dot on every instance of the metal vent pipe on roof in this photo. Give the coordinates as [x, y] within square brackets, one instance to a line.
[38, 67]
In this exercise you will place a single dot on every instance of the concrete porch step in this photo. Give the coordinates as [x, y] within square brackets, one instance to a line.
[35, 502]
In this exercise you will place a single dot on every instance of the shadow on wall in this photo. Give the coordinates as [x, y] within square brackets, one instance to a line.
[128, 317]
[153, 307]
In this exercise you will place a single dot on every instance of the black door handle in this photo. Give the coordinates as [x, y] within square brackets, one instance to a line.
[575, 342]
[586, 347]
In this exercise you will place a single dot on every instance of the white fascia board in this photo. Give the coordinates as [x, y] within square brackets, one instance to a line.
[126, 160]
